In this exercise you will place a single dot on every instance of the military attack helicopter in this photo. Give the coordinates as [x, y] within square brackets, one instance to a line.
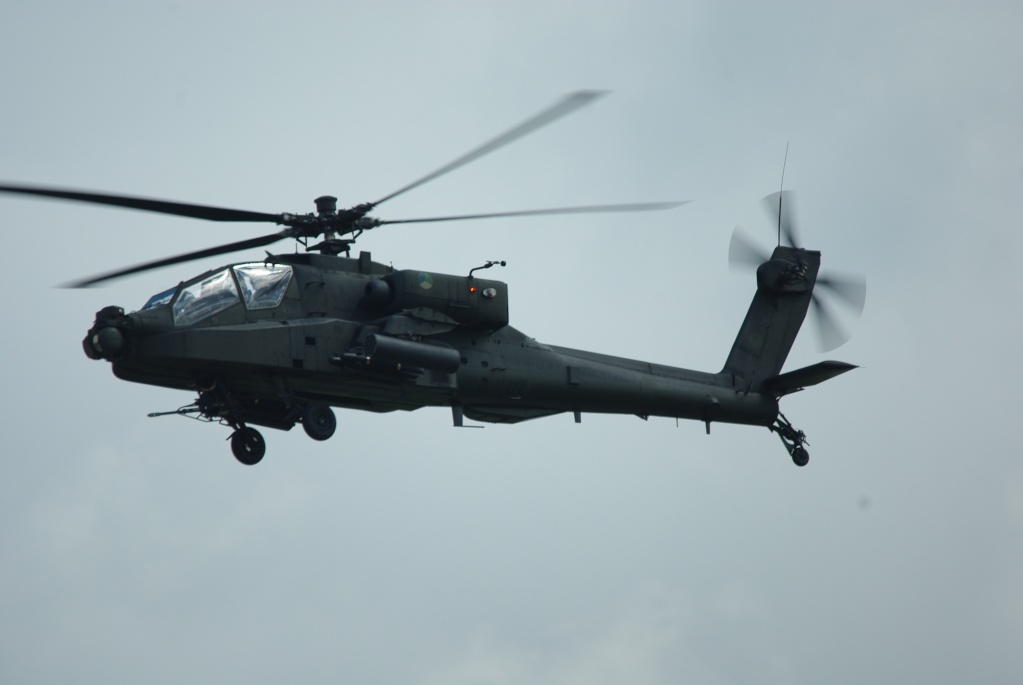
[279, 341]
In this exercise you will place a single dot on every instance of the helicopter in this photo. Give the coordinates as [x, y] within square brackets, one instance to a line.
[283, 340]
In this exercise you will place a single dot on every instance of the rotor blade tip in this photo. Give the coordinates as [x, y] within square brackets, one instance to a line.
[587, 95]
[75, 285]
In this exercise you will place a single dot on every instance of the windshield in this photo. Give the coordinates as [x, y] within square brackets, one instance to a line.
[262, 285]
[207, 297]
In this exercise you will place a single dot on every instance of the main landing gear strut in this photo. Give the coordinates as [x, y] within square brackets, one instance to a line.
[793, 439]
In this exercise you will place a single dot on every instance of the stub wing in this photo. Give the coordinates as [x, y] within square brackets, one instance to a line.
[794, 381]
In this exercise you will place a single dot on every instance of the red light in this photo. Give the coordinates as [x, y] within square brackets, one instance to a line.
[472, 288]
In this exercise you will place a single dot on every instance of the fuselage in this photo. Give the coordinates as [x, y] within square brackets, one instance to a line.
[357, 334]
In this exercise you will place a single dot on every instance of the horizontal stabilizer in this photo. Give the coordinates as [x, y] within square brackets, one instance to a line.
[803, 378]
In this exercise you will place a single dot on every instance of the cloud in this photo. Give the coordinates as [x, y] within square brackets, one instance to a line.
[643, 643]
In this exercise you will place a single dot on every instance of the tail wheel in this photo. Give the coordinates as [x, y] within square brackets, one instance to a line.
[248, 446]
[318, 421]
[800, 457]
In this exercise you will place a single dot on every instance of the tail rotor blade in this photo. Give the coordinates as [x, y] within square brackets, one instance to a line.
[743, 251]
[830, 334]
[850, 289]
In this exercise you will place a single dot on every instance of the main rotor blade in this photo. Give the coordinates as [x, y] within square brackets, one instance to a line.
[592, 209]
[744, 251]
[568, 104]
[780, 208]
[145, 204]
[830, 334]
[852, 290]
[209, 252]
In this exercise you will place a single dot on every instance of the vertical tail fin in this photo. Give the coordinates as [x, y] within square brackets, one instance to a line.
[784, 290]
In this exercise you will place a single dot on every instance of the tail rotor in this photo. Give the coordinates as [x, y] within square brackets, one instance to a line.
[848, 289]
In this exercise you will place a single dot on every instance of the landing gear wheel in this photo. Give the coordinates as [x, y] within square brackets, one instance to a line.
[248, 446]
[800, 457]
[318, 421]
[793, 439]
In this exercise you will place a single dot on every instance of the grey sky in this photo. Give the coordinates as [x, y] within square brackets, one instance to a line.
[615, 551]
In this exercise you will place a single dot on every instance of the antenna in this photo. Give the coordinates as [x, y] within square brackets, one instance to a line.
[781, 190]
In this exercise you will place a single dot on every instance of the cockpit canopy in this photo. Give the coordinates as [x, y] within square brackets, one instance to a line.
[261, 286]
